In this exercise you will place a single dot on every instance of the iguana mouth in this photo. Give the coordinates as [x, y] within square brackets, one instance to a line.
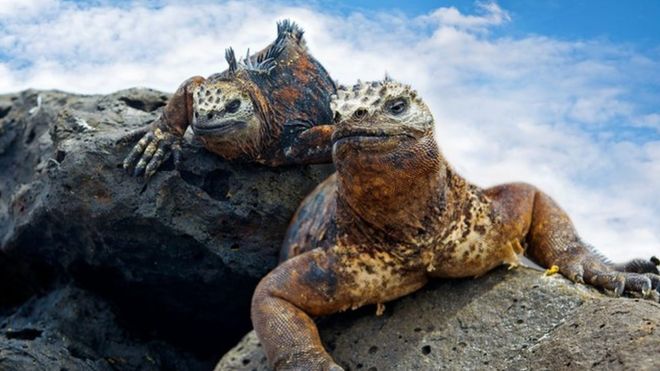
[222, 128]
[366, 134]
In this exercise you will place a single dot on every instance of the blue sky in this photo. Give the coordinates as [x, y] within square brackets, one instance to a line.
[562, 94]
[636, 22]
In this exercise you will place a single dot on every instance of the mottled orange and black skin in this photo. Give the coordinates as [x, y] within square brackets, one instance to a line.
[396, 215]
[272, 107]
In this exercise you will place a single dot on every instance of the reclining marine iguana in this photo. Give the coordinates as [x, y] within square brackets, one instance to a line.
[272, 107]
[396, 214]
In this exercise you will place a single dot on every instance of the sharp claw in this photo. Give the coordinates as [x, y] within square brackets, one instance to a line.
[646, 289]
[620, 285]
[149, 174]
[137, 151]
[139, 169]
[578, 275]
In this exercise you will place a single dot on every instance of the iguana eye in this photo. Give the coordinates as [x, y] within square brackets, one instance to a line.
[397, 106]
[233, 106]
[359, 113]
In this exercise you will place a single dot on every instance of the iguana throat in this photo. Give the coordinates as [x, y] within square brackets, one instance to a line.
[384, 152]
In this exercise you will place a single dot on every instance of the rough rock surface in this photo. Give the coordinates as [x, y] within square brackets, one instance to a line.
[177, 257]
[506, 320]
[73, 329]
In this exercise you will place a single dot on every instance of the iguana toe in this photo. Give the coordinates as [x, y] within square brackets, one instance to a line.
[162, 153]
[638, 283]
[612, 282]
[136, 152]
[573, 271]
[131, 136]
[655, 281]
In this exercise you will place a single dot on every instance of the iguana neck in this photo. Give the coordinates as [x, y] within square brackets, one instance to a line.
[401, 193]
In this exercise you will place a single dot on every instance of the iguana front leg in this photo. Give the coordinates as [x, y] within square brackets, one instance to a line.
[302, 143]
[165, 134]
[533, 217]
[316, 283]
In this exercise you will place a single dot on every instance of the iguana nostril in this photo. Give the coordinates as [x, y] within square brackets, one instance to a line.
[209, 115]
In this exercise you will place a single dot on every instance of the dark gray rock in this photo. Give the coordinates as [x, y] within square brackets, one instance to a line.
[177, 257]
[72, 329]
[506, 320]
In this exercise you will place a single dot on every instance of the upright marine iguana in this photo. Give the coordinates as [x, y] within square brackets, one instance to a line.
[396, 214]
[272, 107]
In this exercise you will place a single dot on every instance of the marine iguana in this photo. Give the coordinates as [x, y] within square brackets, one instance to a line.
[396, 214]
[272, 107]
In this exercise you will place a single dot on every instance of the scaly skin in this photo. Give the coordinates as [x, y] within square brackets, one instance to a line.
[395, 215]
[272, 107]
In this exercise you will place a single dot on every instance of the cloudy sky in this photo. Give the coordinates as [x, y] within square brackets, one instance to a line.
[565, 95]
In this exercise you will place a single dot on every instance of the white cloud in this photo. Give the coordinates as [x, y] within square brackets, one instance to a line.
[491, 15]
[23, 8]
[559, 114]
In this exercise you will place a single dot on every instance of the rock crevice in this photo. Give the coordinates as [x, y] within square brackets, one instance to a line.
[176, 259]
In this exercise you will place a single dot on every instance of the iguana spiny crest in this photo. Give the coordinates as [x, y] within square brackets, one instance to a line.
[272, 107]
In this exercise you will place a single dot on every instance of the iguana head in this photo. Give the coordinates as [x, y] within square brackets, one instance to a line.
[223, 110]
[241, 111]
[383, 121]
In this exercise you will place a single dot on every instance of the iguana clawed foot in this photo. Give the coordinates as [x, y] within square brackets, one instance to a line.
[151, 151]
[642, 281]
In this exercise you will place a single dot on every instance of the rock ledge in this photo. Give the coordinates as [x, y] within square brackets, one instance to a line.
[506, 320]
